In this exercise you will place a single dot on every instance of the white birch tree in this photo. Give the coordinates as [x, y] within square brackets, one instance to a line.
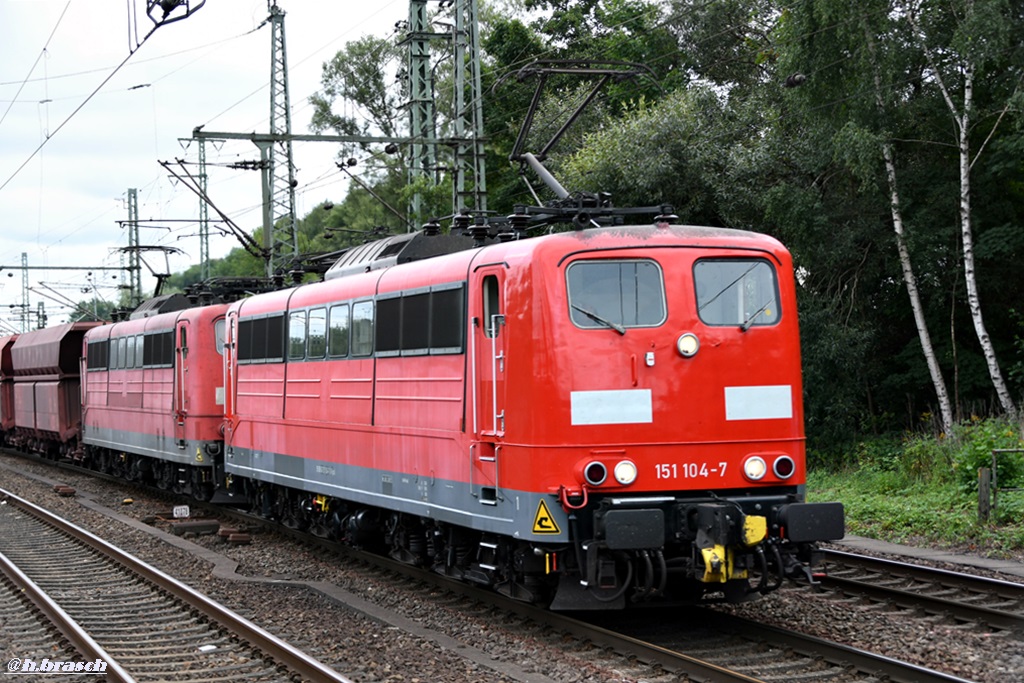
[954, 65]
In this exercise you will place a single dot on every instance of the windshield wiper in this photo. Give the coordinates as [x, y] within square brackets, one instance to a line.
[596, 318]
[750, 321]
[725, 289]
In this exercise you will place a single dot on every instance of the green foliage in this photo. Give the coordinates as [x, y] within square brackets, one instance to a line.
[93, 309]
[716, 134]
[358, 74]
[649, 156]
[917, 488]
[973, 446]
[887, 506]
[589, 32]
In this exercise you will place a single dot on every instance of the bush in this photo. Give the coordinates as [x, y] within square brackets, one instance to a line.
[973, 445]
[922, 490]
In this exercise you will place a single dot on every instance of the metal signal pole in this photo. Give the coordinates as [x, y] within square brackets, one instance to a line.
[280, 237]
[204, 218]
[422, 117]
[134, 269]
[469, 188]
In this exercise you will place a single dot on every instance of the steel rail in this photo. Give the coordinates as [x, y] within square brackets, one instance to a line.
[863, 661]
[62, 621]
[282, 652]
[920, 599]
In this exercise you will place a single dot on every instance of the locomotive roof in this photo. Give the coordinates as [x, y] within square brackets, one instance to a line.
[363, 276]
[396, 249]
[156, 321]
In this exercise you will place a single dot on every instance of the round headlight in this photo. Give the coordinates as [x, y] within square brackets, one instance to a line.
[784, 467]
[754, 468]
[625, 472]
[687, 345]
[595, 473]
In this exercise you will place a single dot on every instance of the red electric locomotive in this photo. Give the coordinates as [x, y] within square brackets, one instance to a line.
[581, 418]
[153, 398]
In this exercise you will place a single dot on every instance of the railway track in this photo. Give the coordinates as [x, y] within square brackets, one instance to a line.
[696, 643]
[693, 643]
[139, 622]
[757, 652]
[965, 599]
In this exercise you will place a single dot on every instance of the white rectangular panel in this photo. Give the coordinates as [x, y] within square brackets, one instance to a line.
[616, 407]
[759, 403]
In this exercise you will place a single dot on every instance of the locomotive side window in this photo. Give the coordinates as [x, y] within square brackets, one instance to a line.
[447, 319]
[97, 355]
[317, 333]
[130, 357]
[275, 339]
[245, 340]
[157, 349]
[362, 328]
[616, 294]
[389, 326]
[742, 292]
[416, 322]
[122, 352]
[261, 340]
[419, 322]
[297, 336]
[338, 333]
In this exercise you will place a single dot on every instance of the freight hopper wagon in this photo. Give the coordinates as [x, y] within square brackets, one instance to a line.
[154, 396]
[581, 418]
[6, 388]
[46, 391]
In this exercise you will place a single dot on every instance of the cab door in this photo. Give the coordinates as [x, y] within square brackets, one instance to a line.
[489, 364]
[181, 368]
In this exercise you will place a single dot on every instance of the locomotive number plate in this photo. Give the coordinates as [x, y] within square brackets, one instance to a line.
[690, 470]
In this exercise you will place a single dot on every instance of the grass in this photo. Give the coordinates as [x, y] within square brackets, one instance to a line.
[922, 490]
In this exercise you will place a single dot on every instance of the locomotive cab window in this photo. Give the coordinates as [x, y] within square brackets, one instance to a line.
[219, 329]
[741, 292]
[616, 294]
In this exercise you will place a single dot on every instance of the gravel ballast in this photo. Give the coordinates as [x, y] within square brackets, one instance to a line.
[369, 628]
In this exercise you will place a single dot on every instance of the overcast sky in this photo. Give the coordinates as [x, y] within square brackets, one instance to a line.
[212, 69]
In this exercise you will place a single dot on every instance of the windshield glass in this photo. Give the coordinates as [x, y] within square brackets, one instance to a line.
[740, 292]
[616, 294]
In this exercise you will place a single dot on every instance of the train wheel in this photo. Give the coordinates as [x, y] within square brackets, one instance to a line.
[408, 540]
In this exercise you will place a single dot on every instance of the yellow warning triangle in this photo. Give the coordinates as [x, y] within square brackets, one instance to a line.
[543, 522]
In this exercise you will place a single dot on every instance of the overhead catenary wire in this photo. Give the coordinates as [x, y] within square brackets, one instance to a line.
[655, 57]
